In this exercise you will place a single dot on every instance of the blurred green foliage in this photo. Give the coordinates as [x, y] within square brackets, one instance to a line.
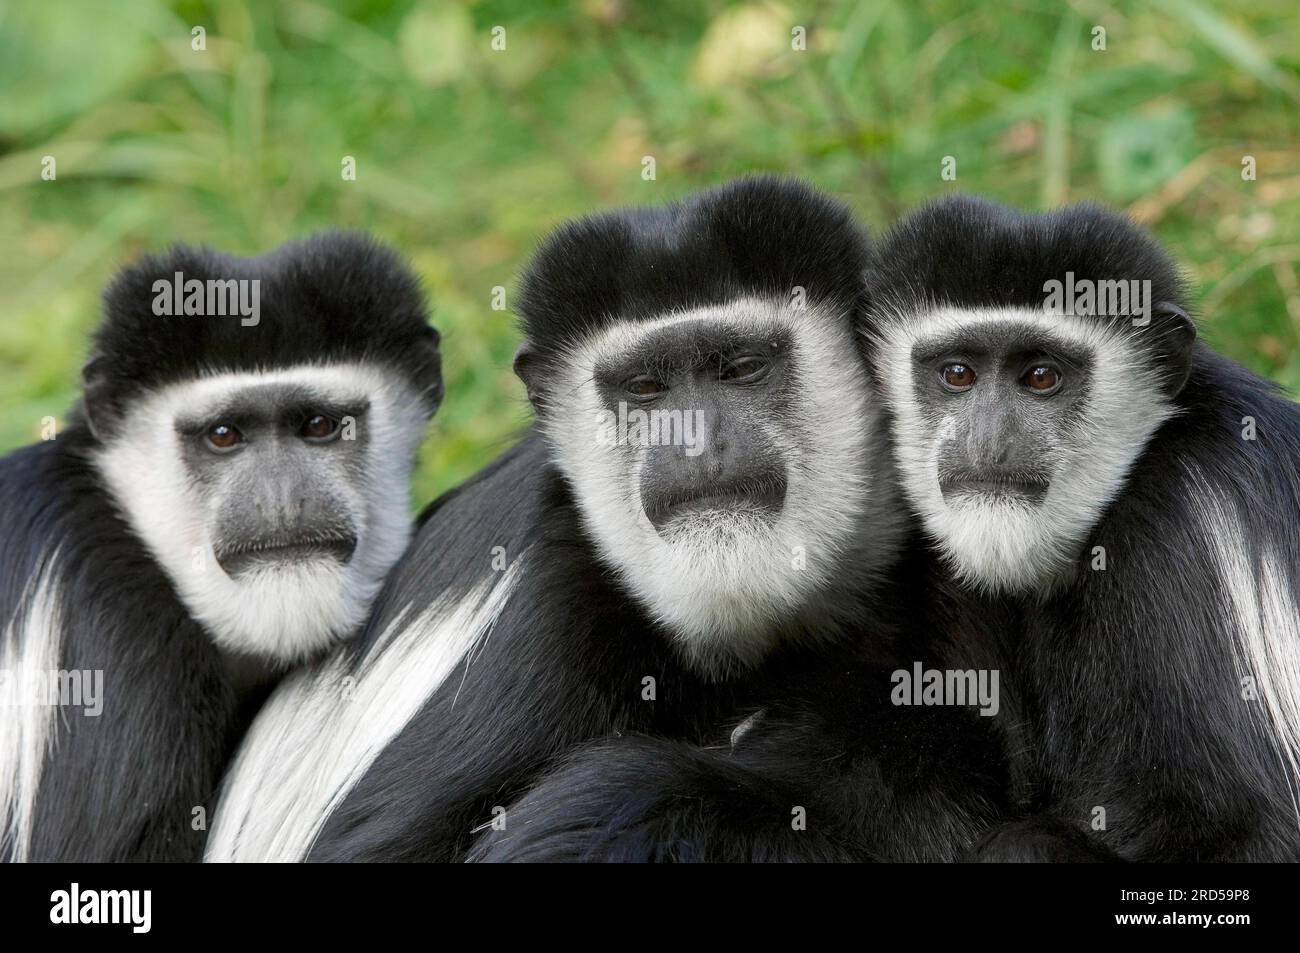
[467, 155]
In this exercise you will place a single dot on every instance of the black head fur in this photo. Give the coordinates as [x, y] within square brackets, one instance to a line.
[963, 251]
[759, 236]
[335, 296]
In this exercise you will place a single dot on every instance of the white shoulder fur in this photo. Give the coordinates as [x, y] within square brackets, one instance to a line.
[325, 725]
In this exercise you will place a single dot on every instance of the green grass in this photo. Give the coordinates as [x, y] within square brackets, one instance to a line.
[466, 156]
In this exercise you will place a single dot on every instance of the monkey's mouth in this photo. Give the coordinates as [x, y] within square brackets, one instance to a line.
[1028, 489]
[670, 510]
[281, 552]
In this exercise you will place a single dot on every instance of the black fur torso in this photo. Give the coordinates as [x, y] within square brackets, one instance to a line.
[1125, 691]
[565, 664]
[123, 785]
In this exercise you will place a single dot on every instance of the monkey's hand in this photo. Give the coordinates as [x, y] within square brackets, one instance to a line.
[642, 799]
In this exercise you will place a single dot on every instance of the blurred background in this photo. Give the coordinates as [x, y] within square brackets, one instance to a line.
[466, 155]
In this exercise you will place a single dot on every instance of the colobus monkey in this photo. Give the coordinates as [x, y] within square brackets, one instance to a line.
[705, 505]
[1116, 513]
[224, 502]
[1118, 509]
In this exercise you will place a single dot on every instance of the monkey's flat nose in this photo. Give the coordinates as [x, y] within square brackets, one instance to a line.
[991, 443]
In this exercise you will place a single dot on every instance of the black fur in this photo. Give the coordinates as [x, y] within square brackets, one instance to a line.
[933, 258]
[563, 665]
[125, 785]
[563, 668]
[335, 296]
[970, 252]
[863, 779]
[1120, 690]
[756, 236]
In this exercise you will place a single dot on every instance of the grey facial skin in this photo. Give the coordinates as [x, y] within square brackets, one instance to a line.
[732, 387]
[280, 469]
[1008, 404]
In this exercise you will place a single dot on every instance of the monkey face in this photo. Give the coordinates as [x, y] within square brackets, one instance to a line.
[1014, 429]
[725, 462]
[696, 401]
[314, 443]
[1008, 401]
[276, 502]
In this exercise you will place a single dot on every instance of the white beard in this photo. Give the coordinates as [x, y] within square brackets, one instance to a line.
[997, 543]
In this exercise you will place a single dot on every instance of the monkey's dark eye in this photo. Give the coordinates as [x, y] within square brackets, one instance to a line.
[742, 368]
[224, 437]
[958, 377]
[645, 386]
[319, 427]
[1044, 378]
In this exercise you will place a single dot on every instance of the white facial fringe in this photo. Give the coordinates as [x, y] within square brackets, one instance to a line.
[727, 587]
[1005, 545]
[293, 613]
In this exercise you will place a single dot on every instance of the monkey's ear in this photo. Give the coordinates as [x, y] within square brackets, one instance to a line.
[1178, 331]
[101, 412]
[526, 370]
